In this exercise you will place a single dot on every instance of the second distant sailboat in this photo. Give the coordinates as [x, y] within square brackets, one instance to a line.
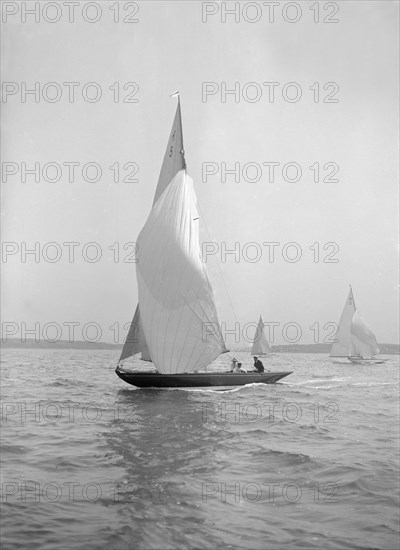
[354, 340]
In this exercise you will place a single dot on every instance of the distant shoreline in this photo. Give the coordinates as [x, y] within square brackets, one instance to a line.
[14, 343]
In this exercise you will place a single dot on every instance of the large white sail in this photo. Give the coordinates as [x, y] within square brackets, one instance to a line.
[260, 344]
[175, 296]
[341, 345]
[363, 340]
[174, 160]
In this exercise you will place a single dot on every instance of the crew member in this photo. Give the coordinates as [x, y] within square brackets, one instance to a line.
[235, 366]
[258, 365]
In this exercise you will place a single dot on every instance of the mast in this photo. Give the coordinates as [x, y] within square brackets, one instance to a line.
[184, 167]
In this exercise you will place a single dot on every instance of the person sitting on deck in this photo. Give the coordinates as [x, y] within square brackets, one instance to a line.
[236, 366]
[233, 364]
[258, 365]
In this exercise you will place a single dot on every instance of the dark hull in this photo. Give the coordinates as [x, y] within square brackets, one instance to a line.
[203, 380]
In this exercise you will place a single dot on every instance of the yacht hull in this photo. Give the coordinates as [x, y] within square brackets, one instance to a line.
[196, 380]
[366, 361]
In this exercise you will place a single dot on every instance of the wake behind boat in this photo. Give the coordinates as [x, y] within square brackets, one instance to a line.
[175, 325]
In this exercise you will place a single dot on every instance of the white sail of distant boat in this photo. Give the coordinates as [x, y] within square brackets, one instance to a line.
[363, 344]
[341, 346]
[174, 161]
[260, 343]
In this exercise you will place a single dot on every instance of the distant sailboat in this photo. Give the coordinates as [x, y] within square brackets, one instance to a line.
[176, 301]
[261, 345]
[354, 340]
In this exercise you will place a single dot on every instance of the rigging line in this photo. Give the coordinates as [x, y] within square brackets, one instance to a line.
[218, 264]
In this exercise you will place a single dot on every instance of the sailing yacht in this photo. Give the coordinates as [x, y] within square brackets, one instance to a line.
[261, 345]
[176, 301]
[354, 340]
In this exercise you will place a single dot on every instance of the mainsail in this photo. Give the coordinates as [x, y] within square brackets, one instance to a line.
[341, 345]
[174, 160]
[363, 340]
[260, 343]
[175, 296]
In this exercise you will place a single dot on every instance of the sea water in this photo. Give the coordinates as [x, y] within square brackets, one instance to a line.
[89, 462]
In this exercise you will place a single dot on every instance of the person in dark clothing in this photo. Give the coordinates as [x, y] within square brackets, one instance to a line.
[258, 365]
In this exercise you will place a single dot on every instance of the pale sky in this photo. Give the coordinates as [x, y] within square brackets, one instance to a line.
[169, 49]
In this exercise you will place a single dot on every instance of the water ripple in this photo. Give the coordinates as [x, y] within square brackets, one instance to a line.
[89, 462]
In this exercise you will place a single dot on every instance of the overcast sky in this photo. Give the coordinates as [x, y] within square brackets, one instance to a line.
[170, 48]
